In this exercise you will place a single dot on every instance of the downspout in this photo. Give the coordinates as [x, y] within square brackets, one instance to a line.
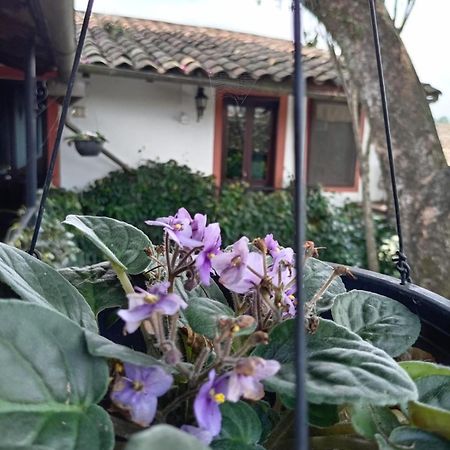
[31, 128]
[59, 19]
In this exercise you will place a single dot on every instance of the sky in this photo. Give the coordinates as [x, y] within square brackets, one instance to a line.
[426, 35]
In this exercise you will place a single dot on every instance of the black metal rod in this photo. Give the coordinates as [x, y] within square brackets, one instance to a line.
[301, 404]
[62, 121]
[30, 124]
[402, 264]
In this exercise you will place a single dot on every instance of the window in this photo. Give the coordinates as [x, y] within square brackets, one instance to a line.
[249, 141]
[332, 151]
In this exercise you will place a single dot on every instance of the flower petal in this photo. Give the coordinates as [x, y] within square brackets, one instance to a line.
[143, 411]
[156, 381]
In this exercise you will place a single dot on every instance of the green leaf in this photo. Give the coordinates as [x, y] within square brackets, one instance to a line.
[36, 282]
[383, 322]
[164, 437]
[368, 420]
[104, 348]
[58, 430]
[409, 437]
[202, 314]
[51, 382]
[434, 390]
[121, 243]
[430, 418]
[281, 348]
[228, 444]
[343, 368]
[323, 415]
[418, 369]
[240, 423]
[267, 416]
[212, 291]
[315, 275]
[98, 285]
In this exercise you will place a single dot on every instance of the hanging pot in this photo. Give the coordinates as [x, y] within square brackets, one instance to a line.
[88, 148]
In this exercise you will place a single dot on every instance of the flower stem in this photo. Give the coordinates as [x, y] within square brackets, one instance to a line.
[123, 278]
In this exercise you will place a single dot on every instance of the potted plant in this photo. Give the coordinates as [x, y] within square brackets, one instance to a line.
[217, 367]
[88, 143]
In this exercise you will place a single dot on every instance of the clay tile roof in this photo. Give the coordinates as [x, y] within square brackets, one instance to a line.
[159, 47]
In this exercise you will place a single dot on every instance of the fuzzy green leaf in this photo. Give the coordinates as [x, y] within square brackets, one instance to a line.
[316, 273]
[98, 285]
[418, 369]
[59, 382]
[36, 282]
[343, 368]
[203, 313]
[240, 423]
[164, 437]
[409, 437]
[434, 390]
[430, 418]
[368, 420]
[383, 322]
[121, 243]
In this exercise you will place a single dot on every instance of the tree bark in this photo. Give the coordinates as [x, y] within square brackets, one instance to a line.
[423, 176]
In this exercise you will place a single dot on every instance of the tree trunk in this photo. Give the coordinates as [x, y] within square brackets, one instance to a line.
[423, 176]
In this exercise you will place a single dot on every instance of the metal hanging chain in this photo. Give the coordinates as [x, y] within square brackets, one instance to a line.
[62, 120]
[301, 405]
[400, 258]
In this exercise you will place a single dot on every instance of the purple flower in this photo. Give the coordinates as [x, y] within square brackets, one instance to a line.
[245, 380]
[200, 433]
[198, 226]
[137, 391]
[206, 404]
[211, 247]
[179, 227]
[143, 304]
[252, 275]
[272, 245]
[231, 265]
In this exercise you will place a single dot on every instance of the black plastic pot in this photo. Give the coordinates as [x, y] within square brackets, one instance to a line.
[88, 148]
[433, 310]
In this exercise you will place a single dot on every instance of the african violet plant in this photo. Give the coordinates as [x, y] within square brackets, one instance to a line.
[218, 366]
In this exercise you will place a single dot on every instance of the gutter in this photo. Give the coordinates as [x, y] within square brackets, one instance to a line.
[58, 16]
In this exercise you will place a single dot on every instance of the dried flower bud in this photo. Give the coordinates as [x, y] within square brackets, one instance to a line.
[245, 321]
[310, 249]
[342, 271]
[259, 337]
[260, 245]
[225, 323]
[148, 251]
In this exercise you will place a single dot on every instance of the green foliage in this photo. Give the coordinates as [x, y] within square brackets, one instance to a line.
[158, 189]
[49, 390]
[377, 319]
[36, 282]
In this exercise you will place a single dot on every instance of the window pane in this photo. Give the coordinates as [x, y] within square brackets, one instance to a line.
[235, 137]
[332, 153]
[262, 143]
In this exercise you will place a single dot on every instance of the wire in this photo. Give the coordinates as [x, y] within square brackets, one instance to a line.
[62, 120]
[400, 259]
[301, 410]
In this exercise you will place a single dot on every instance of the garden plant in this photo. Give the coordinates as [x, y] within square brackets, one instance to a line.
[216, 364]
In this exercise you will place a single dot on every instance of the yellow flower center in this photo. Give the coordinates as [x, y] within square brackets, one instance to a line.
[178, 226]
[235, 328]
[211, 255]
[219, 398]
[151, 298]
[138, 386]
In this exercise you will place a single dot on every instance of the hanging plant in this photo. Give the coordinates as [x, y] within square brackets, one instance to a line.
[88, 143]
[217, 366]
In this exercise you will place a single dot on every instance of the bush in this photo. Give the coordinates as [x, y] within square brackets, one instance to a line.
[159, 189]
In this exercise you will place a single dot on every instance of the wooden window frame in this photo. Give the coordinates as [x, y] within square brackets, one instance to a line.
[280, 132]
[309, 119]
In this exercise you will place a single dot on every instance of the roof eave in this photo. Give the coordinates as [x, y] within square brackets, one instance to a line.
[59, 19]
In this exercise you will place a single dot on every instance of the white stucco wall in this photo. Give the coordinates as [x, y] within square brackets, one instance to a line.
[141, 121]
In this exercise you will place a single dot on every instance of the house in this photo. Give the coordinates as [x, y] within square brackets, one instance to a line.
[218, 101]
[142, 78]
[36, 48]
